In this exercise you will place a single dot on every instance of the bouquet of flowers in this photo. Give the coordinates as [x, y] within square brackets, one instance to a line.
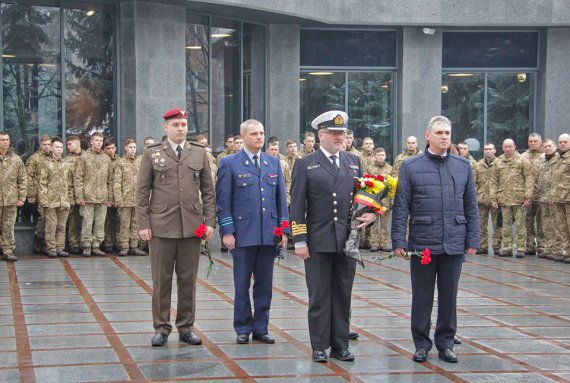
[278, 233]
[370, 190]
[200, 232]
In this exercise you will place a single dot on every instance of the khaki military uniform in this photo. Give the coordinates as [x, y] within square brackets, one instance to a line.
[168, 202]
[533, 216]
[354, 151]
[213, 167]
[92, 183]
[560, 195]
[367, 160]
[549, 237]
[512, 184]
[13, 187]
[290, 158]
[74, 220]
[482, 171]
[55, 194]
[303, 152]
[125, 175]
[401, 158]
[379, 238]
[287, 176]
[112, 220]
[34, 164]
[223, 154]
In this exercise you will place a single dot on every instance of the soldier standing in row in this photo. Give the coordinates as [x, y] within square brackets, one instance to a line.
[511, 190]
[350, 143]
[92, 183]
[273, 150]
[74, 220]
[546, 243]
[534, 155]
[125, 175]
[13, 184]
[463, 149]
[228, 150]
[560, 196]
[308, 145]
[368, 156]
[292, 153]
[410, 151]
[55, 194]
[379, 241]
[483, 171]
[112, 219]
[34, 164]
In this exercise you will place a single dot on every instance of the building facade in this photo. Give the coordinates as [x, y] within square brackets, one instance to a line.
[496, 68]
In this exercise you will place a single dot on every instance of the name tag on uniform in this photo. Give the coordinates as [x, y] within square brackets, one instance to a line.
[272, 175]
[313, 167]
[353, 167]
[247, 175]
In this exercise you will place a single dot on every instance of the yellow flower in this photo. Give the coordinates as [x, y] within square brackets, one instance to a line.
[392, 185]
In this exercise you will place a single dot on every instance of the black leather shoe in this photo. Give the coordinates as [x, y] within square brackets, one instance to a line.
[263, 338]
[343, 355]
[448, 356]
[420, 355]
[456, 340]
[190, 338]
[159, 339]
[319, 356]
[242, 339]
[353, 335]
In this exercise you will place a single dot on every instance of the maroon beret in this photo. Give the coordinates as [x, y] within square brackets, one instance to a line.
[175, 113]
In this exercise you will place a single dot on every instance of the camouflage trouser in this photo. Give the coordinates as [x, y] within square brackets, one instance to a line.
[484, 212]
[533, 229]
[128, 232]
[562, 224]
[56, 220]
[111, 227]
[550, 236]
[74, 227]
[8, 216]
[379, 231]
[93, 228]
[516, 212]
[39, 232]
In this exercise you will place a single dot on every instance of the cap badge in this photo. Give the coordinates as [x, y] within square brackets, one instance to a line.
[338, 120]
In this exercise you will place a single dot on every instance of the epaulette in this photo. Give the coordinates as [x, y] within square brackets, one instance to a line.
[196, 144]
[153, 145]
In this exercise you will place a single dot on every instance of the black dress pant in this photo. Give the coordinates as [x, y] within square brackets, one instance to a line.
[446, 269]
[329, 279]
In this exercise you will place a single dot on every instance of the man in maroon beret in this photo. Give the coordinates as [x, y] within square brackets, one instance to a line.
[173, 175]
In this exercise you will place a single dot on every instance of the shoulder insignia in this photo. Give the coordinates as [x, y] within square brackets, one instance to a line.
[196, 144]
[154, 145]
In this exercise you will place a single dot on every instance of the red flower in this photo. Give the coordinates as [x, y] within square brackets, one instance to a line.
[380, 178]
[367, 176]
[357, 185]
[426, 253]
[285, 224]
[369, 183]
[278, 232]
[201, 231]
[425, 257]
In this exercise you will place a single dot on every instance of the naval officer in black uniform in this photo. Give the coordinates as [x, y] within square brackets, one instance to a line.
[321, 195]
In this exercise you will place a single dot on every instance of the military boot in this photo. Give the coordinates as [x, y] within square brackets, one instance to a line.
[123, 252]
[137, 252]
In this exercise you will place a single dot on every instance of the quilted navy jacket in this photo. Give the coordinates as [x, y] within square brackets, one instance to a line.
[438, 196]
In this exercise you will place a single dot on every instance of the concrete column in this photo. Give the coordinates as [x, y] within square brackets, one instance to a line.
[153, 66]
[556, 101]
[420, 83]
[283, 82]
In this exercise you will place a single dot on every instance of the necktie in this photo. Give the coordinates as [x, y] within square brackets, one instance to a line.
[256, 161]
[333, 158]
[179, 151]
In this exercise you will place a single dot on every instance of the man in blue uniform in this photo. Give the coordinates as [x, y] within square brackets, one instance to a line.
[251, 202]
[321, 196]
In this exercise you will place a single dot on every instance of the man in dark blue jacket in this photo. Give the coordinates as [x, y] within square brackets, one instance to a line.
[251, 202]
[436, 193]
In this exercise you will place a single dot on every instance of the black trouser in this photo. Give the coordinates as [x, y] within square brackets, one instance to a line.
[329, 280]
[447, 269]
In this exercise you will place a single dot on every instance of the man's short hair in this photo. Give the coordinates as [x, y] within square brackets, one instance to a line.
[4, 133]
[535, 135]
[72, 138]
[367, 138]
[489, 143]
[550, 140]
[379, 150]
[435, 119]
[350, 132]
[247, 123]
[228, 138]
[273, 143]
[309, 134]
[56, 139]
[290, 142]
[129, 141]
[463, 143]
[45, 137]
[200, 137]
[108, 142]
[97, 134]
[272, 139]
[148, 138]
[238, 137]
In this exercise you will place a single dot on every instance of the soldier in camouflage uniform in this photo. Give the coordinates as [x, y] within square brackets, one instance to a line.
[483, 170]
[379, 242]
[534, 155]
[228, 151]
[350, 143]
[13, 184]
[367, 155]
[93, 187]
[463, 149]
[560, 196]
[212, 161]
[410, 151]
[273, 150]
[125, 174]
[74, 221]
[512, 188]
[292, 153]
[308, 145]
[33, 166]
[111, 240]
[546, 242]
[55, 191]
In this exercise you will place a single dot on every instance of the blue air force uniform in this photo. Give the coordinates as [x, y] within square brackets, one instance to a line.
[251, 202]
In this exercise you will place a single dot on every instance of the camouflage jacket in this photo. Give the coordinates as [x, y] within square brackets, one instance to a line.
[114, 162]
[534, 157]
[71, 159]
[543, 183]
[125, 173]
[354, 151]
[401, 158]
[303, 152]
[511, 180]
[290, 159]
[34, 164]
[55, 184]
[213, 167]
[560, 185]
[223, 154]
[385, 170]
[287, 176]
[13, 179]
[482, 172]
[367, 161]
[92, 179]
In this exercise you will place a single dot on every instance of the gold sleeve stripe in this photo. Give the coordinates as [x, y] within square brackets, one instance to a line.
[298, 228]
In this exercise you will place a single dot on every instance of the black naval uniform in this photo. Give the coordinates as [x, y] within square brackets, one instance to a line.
[321, 197]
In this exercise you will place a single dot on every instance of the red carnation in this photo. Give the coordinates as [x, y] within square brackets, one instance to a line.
[380, 178]
[285, 224]
[201, 231]
[357, 185]
[425, 257]
[369, 183]
[278, 232]
[426, 253]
